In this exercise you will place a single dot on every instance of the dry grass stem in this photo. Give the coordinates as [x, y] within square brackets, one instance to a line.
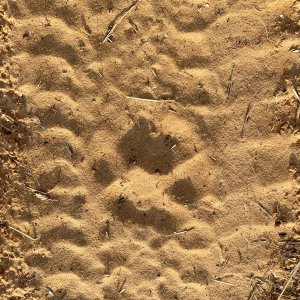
[149, 100]
[181, 232]
[246, 119]
[22, 233]
[298, 98]
[230, 83]
[293, 273]
[117, 22]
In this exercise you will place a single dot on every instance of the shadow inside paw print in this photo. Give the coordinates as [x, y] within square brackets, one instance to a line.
[151, 150]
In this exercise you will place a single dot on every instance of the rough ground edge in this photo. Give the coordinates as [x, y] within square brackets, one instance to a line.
[17, 280]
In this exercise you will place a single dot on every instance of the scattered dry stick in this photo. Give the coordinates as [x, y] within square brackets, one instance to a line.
[230, 83]
[298, 98]
[295, 49]
[41, 195]
[50, 292]
[87, 28]
[224, 282]
[257, 284]
[121, 286]
[181, 232]
[266, 29]
[22, 233]
[246, 119]
[4, 223]
[265, 210]
[255, 125]
[118, 21]
[149, 100]
[7, 129]
[220, 279]
[251, 295]
[293, 273]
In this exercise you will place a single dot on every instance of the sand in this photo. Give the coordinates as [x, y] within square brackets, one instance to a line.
[152, 150]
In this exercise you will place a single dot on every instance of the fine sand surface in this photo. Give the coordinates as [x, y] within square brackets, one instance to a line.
[183, 197]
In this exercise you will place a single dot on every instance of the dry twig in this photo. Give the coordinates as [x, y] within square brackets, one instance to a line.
[266, 29]
[43, 196]
[257, 284]
[149, 100]
[181, 231]
[298, 98]
[230, 83]
[5, 223]
[265, 210]
[118, 21]
[293, 273]
[295, 49]
[246, 119]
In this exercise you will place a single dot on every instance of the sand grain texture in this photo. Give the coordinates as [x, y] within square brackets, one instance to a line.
[181, 198]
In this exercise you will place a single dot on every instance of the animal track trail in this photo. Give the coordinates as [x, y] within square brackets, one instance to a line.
[153, 200]
[143, 145]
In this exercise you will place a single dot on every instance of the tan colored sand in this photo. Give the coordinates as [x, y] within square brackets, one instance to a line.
[175, 199]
